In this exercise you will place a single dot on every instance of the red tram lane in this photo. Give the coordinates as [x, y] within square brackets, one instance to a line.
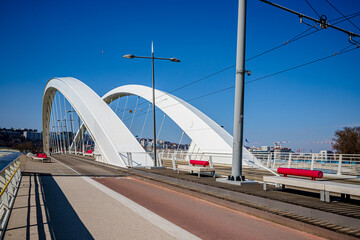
[199, 217]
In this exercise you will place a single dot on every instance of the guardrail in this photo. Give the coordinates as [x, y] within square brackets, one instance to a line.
[10, 178]
[340, 164]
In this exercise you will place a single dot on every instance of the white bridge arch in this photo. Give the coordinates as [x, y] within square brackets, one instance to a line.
[206, 135]
[114, 139]
[101, 122]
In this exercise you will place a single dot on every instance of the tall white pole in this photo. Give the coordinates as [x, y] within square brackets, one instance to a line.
[239, 95]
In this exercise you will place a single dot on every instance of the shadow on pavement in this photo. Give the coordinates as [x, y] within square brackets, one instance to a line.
[62, 219]
[72, 175]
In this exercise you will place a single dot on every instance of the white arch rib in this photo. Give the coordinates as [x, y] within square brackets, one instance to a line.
[110, 134]
[208, 136]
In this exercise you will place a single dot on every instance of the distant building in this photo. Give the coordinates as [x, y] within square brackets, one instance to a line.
[262, 149]
[32, 135]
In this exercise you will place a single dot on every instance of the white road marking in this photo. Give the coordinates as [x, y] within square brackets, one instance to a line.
[66, 166]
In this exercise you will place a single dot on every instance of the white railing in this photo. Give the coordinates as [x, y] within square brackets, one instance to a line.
[10, 178]
[341, 164]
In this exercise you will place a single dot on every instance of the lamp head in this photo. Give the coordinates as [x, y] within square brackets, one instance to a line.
[130, 56]
[174, 60]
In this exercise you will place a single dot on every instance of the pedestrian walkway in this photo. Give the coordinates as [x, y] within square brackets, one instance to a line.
[58, 203]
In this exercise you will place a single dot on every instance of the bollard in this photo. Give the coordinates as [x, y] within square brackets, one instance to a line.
[289, 164]
[173, 161]
[340, 165]
[312, 161]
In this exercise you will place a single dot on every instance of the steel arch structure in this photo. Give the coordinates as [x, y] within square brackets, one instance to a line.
[111, 136]
[205, 133]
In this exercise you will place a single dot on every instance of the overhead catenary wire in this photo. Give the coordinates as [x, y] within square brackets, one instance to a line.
[352, 15]
[312, 8]
[305, 64]
[291, 40]
[322, 22]
[342, 14]
[297, 37]
[343, 51]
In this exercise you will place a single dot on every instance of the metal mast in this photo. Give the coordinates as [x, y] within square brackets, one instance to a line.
[236, 172]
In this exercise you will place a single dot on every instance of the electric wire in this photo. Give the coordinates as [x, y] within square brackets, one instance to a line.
[342, 14]
[297, 37]
[261, 78]
[312, 8]
[293, 39]
[305, 64]
[347, 16]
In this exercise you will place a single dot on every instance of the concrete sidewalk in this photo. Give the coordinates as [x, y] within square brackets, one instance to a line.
[65, 205]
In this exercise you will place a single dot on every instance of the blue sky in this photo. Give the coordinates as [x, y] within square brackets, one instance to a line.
[44, 39]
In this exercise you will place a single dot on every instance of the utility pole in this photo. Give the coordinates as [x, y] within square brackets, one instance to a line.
[153, 106]
[236, 172]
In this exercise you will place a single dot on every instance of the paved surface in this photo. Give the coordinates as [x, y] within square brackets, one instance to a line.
[66, 206]
[86, 201]
[202, 218]
[301, 197]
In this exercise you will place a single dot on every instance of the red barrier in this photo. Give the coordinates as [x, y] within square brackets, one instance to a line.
[89, 151]
[197, 162]
[300, 172]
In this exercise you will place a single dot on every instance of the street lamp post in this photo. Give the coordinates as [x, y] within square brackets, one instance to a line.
[130, 56]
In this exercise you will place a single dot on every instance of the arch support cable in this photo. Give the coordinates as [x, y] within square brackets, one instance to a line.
[147, 113]
[132, 119]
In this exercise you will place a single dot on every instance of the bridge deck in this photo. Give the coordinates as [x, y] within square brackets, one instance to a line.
[54, 200]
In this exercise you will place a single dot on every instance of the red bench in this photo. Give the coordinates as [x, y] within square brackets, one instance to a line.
[301, 172]
[197, 166]
[198, 162]
[40, 156]
[89, 153]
